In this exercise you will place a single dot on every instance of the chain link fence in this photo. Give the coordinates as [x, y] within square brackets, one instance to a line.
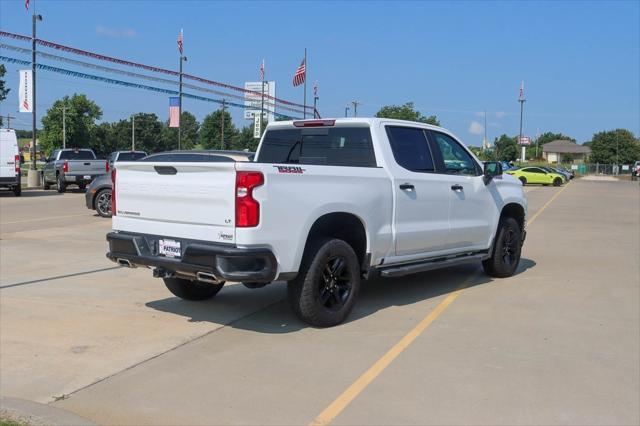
[601, 169]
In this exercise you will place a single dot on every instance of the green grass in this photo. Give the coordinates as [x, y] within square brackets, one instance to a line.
[7, 422]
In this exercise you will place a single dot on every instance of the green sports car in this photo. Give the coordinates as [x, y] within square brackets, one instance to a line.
[538, 175]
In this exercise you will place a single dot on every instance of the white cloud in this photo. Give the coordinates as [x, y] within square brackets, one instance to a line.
[500, 114]
[476, 128]
[480, 114]
[115, 32]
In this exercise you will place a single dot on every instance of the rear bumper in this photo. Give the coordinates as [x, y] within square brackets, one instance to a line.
[10, 181]
[225, 262]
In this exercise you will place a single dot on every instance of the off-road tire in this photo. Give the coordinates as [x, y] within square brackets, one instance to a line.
[17, 191]
[101, 197]
[62, 187]
[192, 289]
[523, 180]
[557, 182]
[327, 284]
[508, 239]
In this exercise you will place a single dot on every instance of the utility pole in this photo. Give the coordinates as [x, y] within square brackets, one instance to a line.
[64, 126]
[133, 132]
[9, 117]
[304, 114]
[522, 100]
[224, 104]
[485, 143]
[346, 111]
[355, 107]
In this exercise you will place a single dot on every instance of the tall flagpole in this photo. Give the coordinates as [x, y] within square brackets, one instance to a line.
[262, 73]
[305, 83]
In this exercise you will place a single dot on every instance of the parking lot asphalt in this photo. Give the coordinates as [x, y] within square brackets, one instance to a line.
[558, 343]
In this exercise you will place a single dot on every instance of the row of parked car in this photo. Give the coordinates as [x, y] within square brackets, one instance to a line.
[544, 175]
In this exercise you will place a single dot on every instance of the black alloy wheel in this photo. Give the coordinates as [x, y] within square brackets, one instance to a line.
[335, 285]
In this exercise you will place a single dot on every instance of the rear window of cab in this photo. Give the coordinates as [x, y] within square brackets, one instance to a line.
[327, 146]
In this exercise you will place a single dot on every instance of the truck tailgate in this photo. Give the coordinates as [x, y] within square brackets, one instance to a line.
[87, 167]
[181, 200]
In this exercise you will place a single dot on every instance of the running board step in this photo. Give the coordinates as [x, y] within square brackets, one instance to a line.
[402, 270]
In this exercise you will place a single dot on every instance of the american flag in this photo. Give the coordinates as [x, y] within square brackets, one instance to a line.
[522, 90]
[315, 89]
[26, 4]
[174, 112]
[180, 43]
[262, 70]
[301, 74]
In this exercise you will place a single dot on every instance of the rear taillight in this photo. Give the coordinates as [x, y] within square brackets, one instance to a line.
[113, 192]
[17, 164]
[247, 208]
[106, 166]
[65, 167]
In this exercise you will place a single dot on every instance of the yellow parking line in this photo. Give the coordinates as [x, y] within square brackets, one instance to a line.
[44, 218]
[346, 397]
[530, 221]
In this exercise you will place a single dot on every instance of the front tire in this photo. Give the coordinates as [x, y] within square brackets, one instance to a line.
[327, 285]
[62, 187]
[523, 180]
[17, 191]
[507, 249]
[192, 289]
[102, 202]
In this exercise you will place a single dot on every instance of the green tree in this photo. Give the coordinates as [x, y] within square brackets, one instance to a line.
[506, 148]
[81, 116]
[190, 129]
[210, 134]
[104, 139]
[244, 139]
[406, 112]
[614, 146]
[148, 133]
[482, 154]
[3, 90]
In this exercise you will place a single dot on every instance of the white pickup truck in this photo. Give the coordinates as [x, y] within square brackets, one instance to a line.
[325, 204]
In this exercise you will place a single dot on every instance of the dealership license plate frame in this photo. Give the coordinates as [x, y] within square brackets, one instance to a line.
[169, 248]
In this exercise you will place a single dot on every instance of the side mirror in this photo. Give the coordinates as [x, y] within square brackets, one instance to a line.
[491, 169]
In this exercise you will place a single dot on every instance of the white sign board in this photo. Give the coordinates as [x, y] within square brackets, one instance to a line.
[253, 100]
[25, 91]
[256, 126]
[574, 167]
[625, 167]
[525, 140]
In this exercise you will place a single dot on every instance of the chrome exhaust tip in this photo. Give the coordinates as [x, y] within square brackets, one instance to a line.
[207, 277]
[126, 263]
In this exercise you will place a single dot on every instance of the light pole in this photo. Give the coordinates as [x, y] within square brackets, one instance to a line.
[346, 111]
[35, 18]
[522, 100]
[355, 107]
[64, 126]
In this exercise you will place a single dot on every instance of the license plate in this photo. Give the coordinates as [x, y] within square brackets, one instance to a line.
[169, 248]
[87, 177]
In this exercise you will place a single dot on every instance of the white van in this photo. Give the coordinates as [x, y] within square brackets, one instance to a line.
[9, 161]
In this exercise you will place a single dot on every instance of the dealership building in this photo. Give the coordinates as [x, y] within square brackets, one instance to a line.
[554, 151]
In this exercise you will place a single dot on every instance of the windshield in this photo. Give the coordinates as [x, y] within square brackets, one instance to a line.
[82, 154]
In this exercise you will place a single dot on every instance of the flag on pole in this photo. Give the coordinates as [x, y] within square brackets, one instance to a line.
[26, 4]
[180, 42]
[262, 71]
[522, 91]
[174, 112]
[315, 89]
[301, 74]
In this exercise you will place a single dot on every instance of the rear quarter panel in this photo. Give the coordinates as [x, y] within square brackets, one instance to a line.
[290, 204]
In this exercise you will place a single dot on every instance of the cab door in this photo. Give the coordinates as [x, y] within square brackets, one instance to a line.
[472, 207]
[421, 195]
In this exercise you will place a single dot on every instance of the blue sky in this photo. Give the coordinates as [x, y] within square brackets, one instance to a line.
[580, 60]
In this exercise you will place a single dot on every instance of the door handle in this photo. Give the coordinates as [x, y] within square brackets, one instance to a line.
[407, 186]
[457, 187]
